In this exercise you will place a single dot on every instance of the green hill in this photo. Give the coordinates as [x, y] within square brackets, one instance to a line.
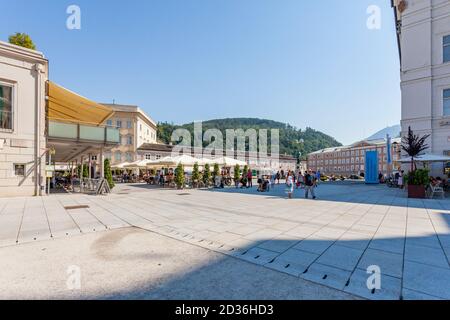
[292, 140]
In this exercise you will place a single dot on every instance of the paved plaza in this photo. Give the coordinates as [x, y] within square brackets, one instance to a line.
[330, 241]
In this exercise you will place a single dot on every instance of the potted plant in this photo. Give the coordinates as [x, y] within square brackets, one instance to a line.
[237, 175]
[195, 176]
[179, 176]
[244, 176]
[414, 146]
[417, 182]
[207, 175]
[108, 174]
[216, 175]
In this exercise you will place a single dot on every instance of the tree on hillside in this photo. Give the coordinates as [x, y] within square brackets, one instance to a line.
[23, 40]
[293, 141]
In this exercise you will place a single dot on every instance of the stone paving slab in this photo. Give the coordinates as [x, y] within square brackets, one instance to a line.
[293, 261]
[326, 275]
[391, 264]
[330, 241]
[390, 287]
[341, 257]
[427, 279]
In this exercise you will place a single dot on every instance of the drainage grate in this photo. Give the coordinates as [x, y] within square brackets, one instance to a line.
[183, 194]
[76, 207]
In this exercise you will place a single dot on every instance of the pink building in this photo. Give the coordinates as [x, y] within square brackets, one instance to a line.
[348, 160]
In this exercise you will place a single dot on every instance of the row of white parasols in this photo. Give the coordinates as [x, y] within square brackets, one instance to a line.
[185, 160]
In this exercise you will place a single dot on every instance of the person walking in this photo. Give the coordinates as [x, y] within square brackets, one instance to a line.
[300, 180]
[318, 176]
[400, 179]
[289, 185]
[309, 185]
[249, 178]
[278, 176]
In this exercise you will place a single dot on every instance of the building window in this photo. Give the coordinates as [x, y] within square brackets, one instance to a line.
[447, 102]
[119, 124]
[118, 156]
[109, 123]
[129, 125]
[446, 44]
[158, 157]
[19, 170]
[129, 140]
[94, 158]
[129, 157]
[6, 111]
[148, 157]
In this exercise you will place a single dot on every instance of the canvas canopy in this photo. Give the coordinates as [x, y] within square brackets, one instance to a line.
[67, 106]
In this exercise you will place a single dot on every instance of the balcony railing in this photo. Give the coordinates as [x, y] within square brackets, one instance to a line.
[82, 132]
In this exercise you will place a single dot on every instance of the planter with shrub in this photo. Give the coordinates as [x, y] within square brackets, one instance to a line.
[207, 175]
[417, 182]
[237, 175]
[417, 179]
[179, 176]
[195, 176]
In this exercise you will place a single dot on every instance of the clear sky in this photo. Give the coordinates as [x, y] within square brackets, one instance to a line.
[309, 63]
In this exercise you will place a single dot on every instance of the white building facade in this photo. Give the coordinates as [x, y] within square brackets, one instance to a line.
[136, 128]
[423, 28]
[23, 76]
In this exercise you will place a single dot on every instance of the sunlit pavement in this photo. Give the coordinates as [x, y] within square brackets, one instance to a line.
[330, 241]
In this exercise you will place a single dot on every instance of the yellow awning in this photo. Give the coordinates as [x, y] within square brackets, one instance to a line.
[64, 105]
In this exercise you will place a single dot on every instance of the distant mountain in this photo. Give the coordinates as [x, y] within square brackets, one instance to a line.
[292, 140]
[394, 132]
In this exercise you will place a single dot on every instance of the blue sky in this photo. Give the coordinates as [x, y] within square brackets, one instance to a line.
[309, 63]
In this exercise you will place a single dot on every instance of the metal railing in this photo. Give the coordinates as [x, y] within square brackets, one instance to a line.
[90, 186]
